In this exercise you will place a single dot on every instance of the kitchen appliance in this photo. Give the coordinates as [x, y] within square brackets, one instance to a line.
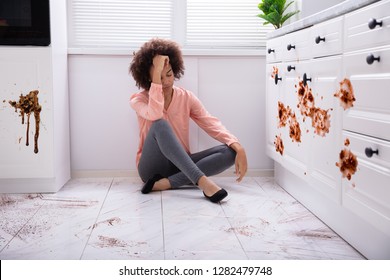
[34, 109]
[24, 22]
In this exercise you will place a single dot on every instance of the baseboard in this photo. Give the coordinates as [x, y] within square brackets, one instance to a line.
[30, 185]
[134, 173]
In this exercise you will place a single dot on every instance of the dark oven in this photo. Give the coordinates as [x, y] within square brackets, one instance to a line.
[24, 22]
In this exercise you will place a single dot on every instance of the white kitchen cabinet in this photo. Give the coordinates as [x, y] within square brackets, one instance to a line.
[324, 149]
[351, 48]
[274, 86]
[296, 141]
[281, 104]
[298, 65]
[367, 193]
[24, 69]
[370, 114]
[297, 46]
[275, 50]
[326, 38]
[311, 157]
[367, 123]
[367, 27]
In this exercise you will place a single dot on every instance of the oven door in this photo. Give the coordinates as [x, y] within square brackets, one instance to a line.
[24, 22]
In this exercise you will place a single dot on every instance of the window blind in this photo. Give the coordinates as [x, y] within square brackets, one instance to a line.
[110, 24]
[225, 23]
[118, 23]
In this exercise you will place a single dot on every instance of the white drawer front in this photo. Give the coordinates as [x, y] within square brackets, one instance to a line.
[327, 38]
[274, 50]
[368, 191]
[370, 114]
[296, 46]
[359, 35]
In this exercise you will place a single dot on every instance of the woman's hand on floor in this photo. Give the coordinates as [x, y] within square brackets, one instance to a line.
[241, 163]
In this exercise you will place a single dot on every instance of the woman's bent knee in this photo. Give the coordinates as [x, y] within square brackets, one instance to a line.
[231, 154]
[160, 124]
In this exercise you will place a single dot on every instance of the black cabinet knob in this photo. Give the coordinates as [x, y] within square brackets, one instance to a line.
[370, 152]
[371, 58]
[277, 79]
[271, 51]
[319, 39]
[306, 79]
[289, 47]
[289, 68]
[372, 23]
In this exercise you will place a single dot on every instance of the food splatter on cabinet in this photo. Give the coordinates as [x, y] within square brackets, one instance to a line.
[348, 162]
[346, 94]
[26, 105]
[279, 144]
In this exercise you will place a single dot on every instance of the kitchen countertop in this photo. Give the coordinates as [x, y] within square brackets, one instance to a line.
[332, 12]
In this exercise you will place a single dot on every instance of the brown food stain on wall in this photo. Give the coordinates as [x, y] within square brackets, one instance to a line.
[346, 94]
[26, 105]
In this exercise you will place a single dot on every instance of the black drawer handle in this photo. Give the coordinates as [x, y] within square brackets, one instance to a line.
[306, 79]
[319, 39]
[271, 51]
[370, 152]
[277, 78]
[289, 68]
[372, 23]
[289, 47]
[371, 58]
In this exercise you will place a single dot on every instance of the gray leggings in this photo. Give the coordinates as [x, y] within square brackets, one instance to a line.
[163, 154]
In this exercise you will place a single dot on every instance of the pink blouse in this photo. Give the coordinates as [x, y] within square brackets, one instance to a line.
[149, 106]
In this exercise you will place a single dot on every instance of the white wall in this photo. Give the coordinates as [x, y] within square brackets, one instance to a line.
[310, 7]
[104, 129]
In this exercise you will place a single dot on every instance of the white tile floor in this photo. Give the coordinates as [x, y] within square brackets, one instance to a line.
[108, 218]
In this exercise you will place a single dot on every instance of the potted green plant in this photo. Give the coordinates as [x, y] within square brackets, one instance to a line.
[274, 12]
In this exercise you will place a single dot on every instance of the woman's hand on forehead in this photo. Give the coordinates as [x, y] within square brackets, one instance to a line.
[160, 61]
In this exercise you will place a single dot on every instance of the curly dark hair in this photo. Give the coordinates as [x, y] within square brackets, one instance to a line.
[143, 60]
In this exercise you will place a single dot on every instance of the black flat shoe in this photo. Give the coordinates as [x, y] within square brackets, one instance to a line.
[148, 186]
[218, 196]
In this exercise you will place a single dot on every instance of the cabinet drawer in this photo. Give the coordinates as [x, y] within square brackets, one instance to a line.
[296, 45]
[370, 114]
[368, 191]
[274, 50]
[327, 38]
[358, 34]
